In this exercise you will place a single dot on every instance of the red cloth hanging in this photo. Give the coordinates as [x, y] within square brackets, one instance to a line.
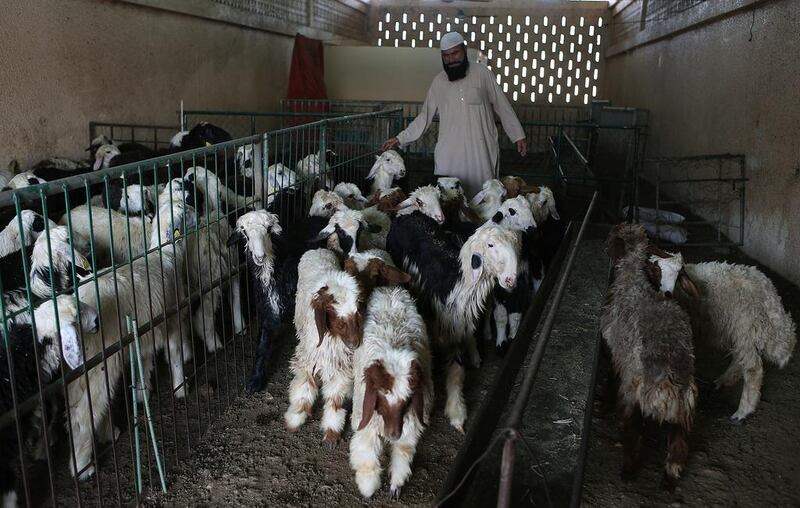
[307, 78]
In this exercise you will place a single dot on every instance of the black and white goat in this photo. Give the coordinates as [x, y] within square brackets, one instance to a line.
[454, 284]
[57, 334]
[272, 267]
[11, 237]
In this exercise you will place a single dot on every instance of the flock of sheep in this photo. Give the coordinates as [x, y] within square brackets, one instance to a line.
[379, 289]
[140, 245]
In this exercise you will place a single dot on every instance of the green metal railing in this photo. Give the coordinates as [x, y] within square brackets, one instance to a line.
[181, 407]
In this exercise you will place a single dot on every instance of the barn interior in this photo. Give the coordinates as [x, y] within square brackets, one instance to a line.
[679, 115]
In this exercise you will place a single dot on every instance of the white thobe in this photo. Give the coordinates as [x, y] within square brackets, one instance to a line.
[467, 146]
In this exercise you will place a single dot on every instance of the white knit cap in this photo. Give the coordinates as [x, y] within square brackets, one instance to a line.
[451, 40]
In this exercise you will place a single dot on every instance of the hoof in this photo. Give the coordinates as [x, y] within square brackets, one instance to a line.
[180, 393]
[502, 349]
[735, 419]
[331, 439]
[394, 493]
[87, 474]
[459, 427]
[291, 430]
[668, 483]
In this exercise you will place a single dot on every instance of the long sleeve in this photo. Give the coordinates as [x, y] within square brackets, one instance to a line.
[423, 120]
[502, 107]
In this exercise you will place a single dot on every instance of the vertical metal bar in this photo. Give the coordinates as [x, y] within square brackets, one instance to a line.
[506, 471]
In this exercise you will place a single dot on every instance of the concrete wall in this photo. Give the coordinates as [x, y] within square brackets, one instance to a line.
[711, 90]
[65, 63]
[381, 73]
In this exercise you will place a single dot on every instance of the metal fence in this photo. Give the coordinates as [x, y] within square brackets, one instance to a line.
[163, 287]
[708, 190]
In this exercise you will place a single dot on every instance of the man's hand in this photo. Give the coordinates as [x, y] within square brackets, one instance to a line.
[522, 147]
[390, 143]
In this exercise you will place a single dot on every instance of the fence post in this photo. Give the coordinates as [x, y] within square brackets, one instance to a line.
[264, 166]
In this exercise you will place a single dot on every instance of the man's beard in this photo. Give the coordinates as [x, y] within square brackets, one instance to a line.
[456, 71]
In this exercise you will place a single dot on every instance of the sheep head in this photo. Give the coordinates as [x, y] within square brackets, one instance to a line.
[543, 205]
[389, 162]
[426, 200]
[70, 322]
[515, 214]
[492, 251]
[373, 270]
[338, 310]
[665, 269]
[515, 186]
[393, 389]
[351, 194]
[54, 251]
[103, 156]
[488, 199]
[325, 204]
[348, 226]
[255, 230]
[450, 187]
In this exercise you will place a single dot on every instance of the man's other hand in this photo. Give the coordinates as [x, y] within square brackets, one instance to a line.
[390, 143]
[522, 147]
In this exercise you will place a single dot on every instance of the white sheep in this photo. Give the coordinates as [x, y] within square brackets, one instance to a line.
[32, 226]
[146, 289]
[388, 167]
[351, 195]
[215, 192]
[426, 200]
[329, 309]
[313, 168]
[22, 180]
[740, 312]
[109, 227]
[486, 202]
[454, 284]
[57, 333]
[543, 204]
[393, 389]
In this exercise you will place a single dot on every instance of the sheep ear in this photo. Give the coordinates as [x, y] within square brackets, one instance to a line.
[405, 203]
[554, 213]
[350, 267]
[477, 266]
[373, 171]
[393, 275]
[234, 238]
[324, 233]
[275, 229]
[320, 305]
[374, 228]
[370, 401]
[478, 198]
[71, 345]
[654, 250]
[98, 163]
[688, 285]
[13, 166]
[497, 217]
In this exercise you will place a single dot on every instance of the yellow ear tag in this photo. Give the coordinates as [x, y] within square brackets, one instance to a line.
[176, 234]
[85, 264]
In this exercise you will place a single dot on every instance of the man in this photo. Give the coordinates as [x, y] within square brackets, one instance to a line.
[464, 95]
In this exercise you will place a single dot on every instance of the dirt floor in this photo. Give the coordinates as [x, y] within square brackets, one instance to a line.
[752, 464]
[248, 458]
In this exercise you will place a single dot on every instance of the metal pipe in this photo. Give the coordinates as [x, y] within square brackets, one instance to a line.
[506, 471]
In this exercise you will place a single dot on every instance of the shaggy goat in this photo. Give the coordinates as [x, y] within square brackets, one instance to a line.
[487, 201]
[393, 390]
[351, 195]
[454, 284]
[56, 333]
[273, 272]
[650, 339]
[388, 167]
[740, 312]
[148, 288]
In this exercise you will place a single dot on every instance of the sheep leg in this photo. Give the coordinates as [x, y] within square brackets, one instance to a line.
[303, 392]
[731, 376]
[631, 441]
[263, 354]
[455, 408]
[677, 455]
[7, 493]
[751, 391]
[473, 356]
[334, 415]
[514, 320]
[500, 324]
[365, 453]
[402, 456]
[236, 305]
[176, 345]
[204, 321]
